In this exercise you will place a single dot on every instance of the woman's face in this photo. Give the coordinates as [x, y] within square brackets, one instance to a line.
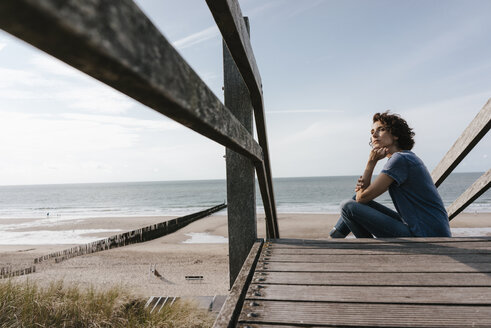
[381, 136]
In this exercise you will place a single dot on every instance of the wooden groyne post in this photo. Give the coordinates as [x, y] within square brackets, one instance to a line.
[131, 237]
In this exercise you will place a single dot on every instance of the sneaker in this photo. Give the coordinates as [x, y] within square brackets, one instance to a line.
[335, 233]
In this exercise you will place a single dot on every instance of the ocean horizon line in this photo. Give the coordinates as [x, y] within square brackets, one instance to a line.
[191, 180]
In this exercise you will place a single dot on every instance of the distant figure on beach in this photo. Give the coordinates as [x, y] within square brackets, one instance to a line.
[420, 210]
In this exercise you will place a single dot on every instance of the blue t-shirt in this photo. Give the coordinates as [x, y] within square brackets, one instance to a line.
[415, 196]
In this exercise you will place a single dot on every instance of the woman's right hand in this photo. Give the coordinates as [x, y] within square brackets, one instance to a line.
[377, 154]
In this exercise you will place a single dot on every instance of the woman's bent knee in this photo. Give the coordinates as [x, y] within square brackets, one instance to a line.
[347, 204]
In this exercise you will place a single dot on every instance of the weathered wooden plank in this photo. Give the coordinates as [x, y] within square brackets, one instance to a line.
[373, 279]
[478, 188]
[371, 267]
[378, 251]
[241, 182]
[228, 16]
[364, 315]
[368, 241]
[477, 129]
[248, 325]
[394, 259]
[233, 304]
[403, 247]
[372, 294]
[114, 42]
[229, 19]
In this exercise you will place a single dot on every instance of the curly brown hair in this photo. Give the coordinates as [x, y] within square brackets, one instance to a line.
[398, 127]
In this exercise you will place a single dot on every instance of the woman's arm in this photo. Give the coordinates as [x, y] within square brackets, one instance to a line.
[377, 188]
[367, 192]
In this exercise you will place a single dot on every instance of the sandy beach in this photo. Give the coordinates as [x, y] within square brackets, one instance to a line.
[200, 249]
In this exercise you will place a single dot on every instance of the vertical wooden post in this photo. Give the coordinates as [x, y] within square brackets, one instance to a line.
[241, 198]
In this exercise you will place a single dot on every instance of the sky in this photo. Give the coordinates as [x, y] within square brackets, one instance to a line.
[326, 66]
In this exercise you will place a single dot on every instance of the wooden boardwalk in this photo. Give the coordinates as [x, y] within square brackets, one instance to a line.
[423, 282]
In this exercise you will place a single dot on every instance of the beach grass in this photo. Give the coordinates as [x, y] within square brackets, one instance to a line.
[57, 305]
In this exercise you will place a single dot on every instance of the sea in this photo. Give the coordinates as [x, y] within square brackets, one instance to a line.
[164, 198]
[50, 205]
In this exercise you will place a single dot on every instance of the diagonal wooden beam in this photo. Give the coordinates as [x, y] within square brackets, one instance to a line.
[477, 129]
[271, 225]
[114, 42]
[478, 188]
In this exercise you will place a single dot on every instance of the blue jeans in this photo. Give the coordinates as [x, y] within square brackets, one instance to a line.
[369, 220]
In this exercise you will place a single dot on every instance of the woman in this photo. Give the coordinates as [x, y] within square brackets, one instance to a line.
[420, 210]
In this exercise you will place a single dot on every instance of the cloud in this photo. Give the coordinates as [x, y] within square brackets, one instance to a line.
[325, 147]
[51, 65]
[61, 84]
[97, 99]
[130, 122]
[23, 84]
[89, 99]
[329, 132]
[29, 134]
[93, 165]
[75, 147]
[10, 77]
[452, 114]
[36, 134]
[196, 38]
[438, 124]
[3, 44]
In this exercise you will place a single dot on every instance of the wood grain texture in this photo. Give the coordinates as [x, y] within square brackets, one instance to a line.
[478, 188]
[407, 283]
[372, 294]
[229, 19]
[476, 130]
[263, 182]
[417, 247]
[374, 267]
[366, 315]
[233, 304]
[241, 182]
[475, 279]
[386, 250]
[394, 259]
[114, 42]
[375, 241]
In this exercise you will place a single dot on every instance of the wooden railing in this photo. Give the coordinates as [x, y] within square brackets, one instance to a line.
[114, 42]
[476, 130]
